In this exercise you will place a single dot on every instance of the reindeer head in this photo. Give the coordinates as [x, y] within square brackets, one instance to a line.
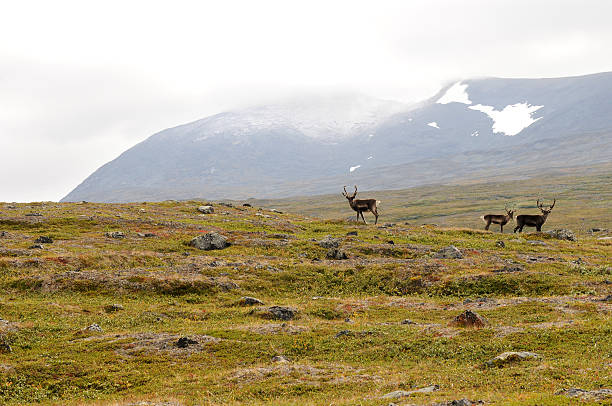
[510, 212]
[350, 197]
[544, 211]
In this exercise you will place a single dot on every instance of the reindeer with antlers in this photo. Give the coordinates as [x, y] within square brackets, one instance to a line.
[500, 219]
[361, 205]
[534, 220]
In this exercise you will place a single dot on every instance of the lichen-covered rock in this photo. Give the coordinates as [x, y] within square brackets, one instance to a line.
[336, 253]
[276, 312]
[44, 240]
[469, 319]
[93, 328]
[402, 393]
[593, 395]
[562, 234]
[115, 234]
[210, 241]
[206, 209]
[329, 242]
[449, 252]
[511, 356]
[249, 301]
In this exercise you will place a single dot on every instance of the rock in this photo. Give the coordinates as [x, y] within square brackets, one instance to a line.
[562, 234]
[408, 321]
[449, 252]
[578, 261]
[146, 235]
[391, 242]
[352, 233]
[206, 209]
[246, 205]
[593, 395]
[5, 347]
[511, 356]
[276, 211]
[44, 240]
[537, 242]
[605, 238]
[94, 328]
[36, 247]
[113, 308]
[210, 241]
[226, 204]
[500, 244]
[115, 234]
[459, 402]
[280, 358]
[343, 333]
[249, 301]
[33, 215]
[185, 342]
[276, 312]
[469, 319]
[336, 253]
[510, 269]
[11, 206]
[595, 230]
[3, 234]
[329, 242]
[402, 393]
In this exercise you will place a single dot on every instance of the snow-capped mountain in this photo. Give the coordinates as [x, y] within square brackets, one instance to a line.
[313, 144]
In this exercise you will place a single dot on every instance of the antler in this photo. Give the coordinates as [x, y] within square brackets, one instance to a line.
[553, 205]
[538, 203]
[345, 194]
[355, 194]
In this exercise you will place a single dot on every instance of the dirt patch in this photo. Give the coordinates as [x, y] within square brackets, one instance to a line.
[302, 374]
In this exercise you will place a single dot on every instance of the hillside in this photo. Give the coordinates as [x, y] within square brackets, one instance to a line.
[142, 318]
[311, 145]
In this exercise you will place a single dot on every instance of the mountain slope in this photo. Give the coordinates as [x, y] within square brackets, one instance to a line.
[313, 145]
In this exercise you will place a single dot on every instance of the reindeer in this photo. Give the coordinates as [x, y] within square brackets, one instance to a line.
[361, 205]
[533, 220]
[500, 219]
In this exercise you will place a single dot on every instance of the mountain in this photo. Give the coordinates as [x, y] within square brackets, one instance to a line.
[471, 129]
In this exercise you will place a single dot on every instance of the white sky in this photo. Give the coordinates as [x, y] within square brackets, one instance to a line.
[81, 81]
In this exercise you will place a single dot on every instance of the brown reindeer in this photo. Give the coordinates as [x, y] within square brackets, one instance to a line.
[533, 220]
[361, 205]
[500, 219]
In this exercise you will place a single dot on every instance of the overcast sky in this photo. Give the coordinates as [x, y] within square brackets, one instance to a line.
[81, 81]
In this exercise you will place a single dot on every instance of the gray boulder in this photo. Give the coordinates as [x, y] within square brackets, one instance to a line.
[276, 312]
[449, 252]
[115, 234]
[511, 356]
[249, 301]
[593, 395]
[329, 242]
[336, 253]
[206, 209]
[402, 393]
[210, 241]
[562, 234]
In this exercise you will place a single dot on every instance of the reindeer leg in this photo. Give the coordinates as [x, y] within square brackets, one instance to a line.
[501, 226]
[375, 213]
[487, 226]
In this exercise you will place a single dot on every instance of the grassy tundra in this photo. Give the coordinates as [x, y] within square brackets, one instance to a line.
[377, 322]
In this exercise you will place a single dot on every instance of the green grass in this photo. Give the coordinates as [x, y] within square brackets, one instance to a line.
[554, 306]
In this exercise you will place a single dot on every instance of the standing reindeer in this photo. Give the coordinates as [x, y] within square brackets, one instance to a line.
[500, 219]
[361, 205]
[533, 220]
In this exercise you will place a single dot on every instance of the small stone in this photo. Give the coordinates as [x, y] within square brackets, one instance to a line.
[185, 342]
[36, 247]
[408, 321]
[352, 233]
[113, 308]
[93, 327]
[402, 393]
[280, 359]
[276, 313]
[449, 252]
[593, 395]
[500, 244]
[344, 333]
[3, 234]
[210, 241]
[5, 347]
[335, 253]
[469, 319]
[115, 234]
[206, 209]
[511, 356]
[329, 242]
[146, 235]
[44, 240]
[537, 242]
[246, 205]
[391, 242]
[249, 301]
[33, 215]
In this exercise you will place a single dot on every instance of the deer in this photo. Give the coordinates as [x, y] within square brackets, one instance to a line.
[534, 220]
[361, 205]
[500, 219]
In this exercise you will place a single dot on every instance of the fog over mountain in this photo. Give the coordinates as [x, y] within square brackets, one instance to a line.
[472, 128]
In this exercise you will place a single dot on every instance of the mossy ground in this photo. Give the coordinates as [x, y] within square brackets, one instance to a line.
[555, 306]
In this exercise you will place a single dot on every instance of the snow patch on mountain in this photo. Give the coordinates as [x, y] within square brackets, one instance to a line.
[513, 119]
[433, 124]
[455, 94]
[353, 168]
